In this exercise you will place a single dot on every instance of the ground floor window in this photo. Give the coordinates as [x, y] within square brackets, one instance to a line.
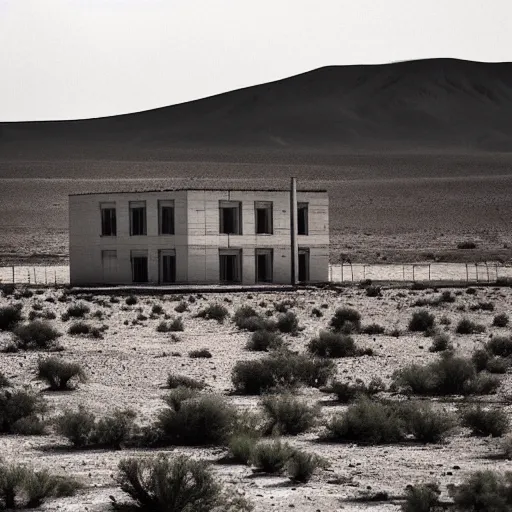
[303, 265]
[139, 266]
[230, 265]
[167, 266]
[264, 265]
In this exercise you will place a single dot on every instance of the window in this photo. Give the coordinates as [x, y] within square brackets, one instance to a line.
[168, 266]
[166, 217]
[139, 266]
[302, 218]
[108, 219]
[109, 265]
[264, 265]
[230, 265]
[263, 214]
[303, 265]
[230, 217]
[137, 218]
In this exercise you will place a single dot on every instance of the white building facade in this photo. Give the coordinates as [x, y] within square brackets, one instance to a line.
[197, 237]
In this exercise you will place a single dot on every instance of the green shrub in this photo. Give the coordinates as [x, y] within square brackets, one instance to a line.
[449, 375]
[115, 429]
[19, 405]
[366, 422]
[484, 491]
[177, 484]
[500, 346]
[280, 369]
[131, 300]
[302, 465]
[10, 316]
[35, 335]
[271, 456]
[241, 447]
[264, 340]
[214, 312]
[373, 329]
[421, 321]
[422, 498]
[485, 422]
[77, 427]
[181, 307]
[287, 415]
[288, 322]
[79, 328]
[440, 342]
[78, 310]
[426, 424]
[466, 326]
[57, 373]
[201, 353]
[346, 392]
[22, 487]
[500, 320]
[199, 420]
[4, 381]
[342, 316]
[175, 381]
[331, 344]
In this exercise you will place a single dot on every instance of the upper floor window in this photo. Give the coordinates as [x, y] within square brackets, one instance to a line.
[166, 217]
[302, 219]
[137, 218]
[263, 214]
[108, 219]
[230, 215]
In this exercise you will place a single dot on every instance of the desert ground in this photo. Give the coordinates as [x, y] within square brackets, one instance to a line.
[129, 366]
[383, 208]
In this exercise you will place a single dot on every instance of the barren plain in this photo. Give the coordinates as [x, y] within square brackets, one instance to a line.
[129, 366]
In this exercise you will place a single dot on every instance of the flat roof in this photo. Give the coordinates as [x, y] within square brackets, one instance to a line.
[309, 191]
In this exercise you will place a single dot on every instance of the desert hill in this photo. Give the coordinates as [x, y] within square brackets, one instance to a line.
[438, 105]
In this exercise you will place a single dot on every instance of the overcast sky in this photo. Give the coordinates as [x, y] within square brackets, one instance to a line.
[64, 59]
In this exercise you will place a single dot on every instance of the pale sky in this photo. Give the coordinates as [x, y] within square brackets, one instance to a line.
[65, 59]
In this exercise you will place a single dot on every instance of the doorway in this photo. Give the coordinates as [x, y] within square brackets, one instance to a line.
[303, 265]
[168, 266]
[139, 267]
[230, 266]
[264, 265]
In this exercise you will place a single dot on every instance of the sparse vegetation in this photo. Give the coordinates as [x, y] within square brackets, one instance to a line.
[177, 484]
[271, 456]
[58, 373]
[500, 346]
[78, 310]
[373, 329]
[347, 392]
[288, 415]
[422, 498]
[501, 320]
[332, 344]
[214, 312]
[484, 491]
[421, 321]
[131, 300]
[346, 320]
[20, 412]
[440, 342]
[466, 326]
[35, 335]
[302, 465]
[288, 322]
[485, 422]
[79, 328]
[10, 317]
[175, 381]
[263, 340]
[201, 353]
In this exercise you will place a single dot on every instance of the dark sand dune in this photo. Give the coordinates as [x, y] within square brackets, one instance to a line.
[434, 105]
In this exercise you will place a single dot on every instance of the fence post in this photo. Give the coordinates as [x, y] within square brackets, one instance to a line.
[487, 268]
[467, 274]
[35, 280]
[45, 276]
[403, 272]
[342, 271]
[55, 275]
[413, 273]
[429, 272]
[13, 280]
[28, 275]
[364, 272]
[352, 271]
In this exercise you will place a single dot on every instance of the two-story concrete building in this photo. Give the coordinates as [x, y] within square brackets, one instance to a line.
[198, 237]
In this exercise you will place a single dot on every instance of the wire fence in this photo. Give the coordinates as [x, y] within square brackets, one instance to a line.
[341, 273]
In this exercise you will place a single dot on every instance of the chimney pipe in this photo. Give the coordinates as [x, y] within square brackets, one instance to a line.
[293, 233]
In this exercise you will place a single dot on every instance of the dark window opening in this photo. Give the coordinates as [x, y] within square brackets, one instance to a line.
[230, 268]
[303, 266]
[230, 219]
[302, 219]
[137, 220]
[108, 222]
[168, 268]
[264, 218]
[166, 219]
[264, 266]
[140, 269]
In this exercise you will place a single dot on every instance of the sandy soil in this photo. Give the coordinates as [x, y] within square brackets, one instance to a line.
[128, 368]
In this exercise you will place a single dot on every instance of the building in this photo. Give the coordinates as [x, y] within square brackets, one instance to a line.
[198, 237]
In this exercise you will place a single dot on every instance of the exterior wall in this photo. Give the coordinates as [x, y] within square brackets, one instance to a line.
[197, 239]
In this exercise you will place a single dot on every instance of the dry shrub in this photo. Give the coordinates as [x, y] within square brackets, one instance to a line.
[10, 317]
[346, 317]
[21, 408]
[421, 321]
[35, 335]
[332, 344]
[58, 374]
[485, 422]
[214, 312]
[264, 340]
